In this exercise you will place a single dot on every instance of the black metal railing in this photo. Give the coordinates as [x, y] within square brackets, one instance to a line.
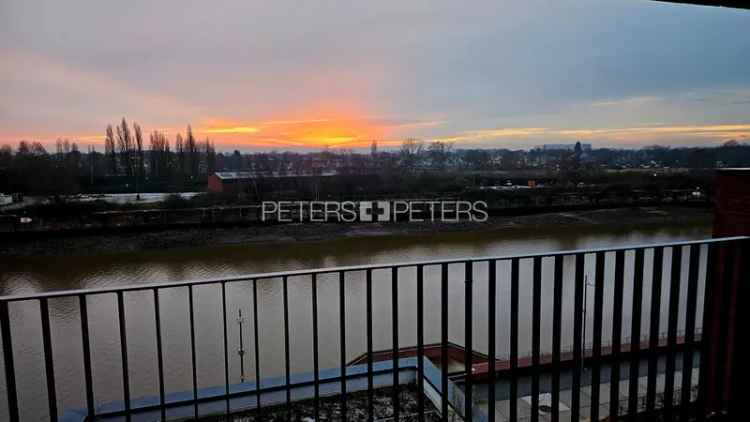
[635, 269]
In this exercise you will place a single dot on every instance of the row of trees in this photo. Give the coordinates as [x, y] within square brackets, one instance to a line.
[129, 163]
[125, 154]
[32, 169]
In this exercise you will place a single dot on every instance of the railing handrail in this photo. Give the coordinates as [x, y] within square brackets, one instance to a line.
[353, 268]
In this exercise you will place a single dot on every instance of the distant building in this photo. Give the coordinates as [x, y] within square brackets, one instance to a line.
[242, 181]
[565, 147]
[229, 182]
[297, 185]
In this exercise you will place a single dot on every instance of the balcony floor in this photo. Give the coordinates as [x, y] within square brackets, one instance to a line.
[524, 403]
[330, 409]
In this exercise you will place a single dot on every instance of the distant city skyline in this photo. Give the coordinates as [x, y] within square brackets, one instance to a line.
[258, 76]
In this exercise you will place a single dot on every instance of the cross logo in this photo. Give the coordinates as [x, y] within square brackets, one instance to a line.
[381, 210]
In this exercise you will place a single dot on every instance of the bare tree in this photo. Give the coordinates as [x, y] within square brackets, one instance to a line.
[38, 149]
[109, 151]
[159, 155]
[210, 157]
[6, 156]
[125, 147]
[410, 150]
[140, 159]
[24, 148]
[439, 152]
[193, 156]
[179, 147]
[59, 149]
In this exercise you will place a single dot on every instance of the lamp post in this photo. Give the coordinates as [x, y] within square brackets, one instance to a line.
[241, 349]
[586, 285]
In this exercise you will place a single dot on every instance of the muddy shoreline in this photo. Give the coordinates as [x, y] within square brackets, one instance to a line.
[306, 232]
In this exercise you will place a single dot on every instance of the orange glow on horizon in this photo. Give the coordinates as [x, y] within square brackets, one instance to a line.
[318, 127]
[345, 131]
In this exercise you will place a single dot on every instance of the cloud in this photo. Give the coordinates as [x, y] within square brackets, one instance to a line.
[230, 130]
[649, 133]
[493, 134]
[624, 136]
[43, 86]
[633, 101]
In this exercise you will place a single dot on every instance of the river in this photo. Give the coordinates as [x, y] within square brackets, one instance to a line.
[27, 275]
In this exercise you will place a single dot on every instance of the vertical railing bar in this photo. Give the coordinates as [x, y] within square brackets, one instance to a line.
[716, 301]
[444, 341]
[394, 345]
[159, 355]
[513, 410]
[735, 366]
[674, 304]
[256, 347]
[192, 350]
[597, 334]
[86, 356]
[468, 412]
[124, 352]
[691, 303]
[226, 346]
[614, 397]
[316, 362]
[492, 300]
[577, 336]
[9, 368]
[420, 343]
[556, 336]
[287, 361]
[370, 392]
[342, 325]
[655, 317]
[536, 323]
[635, 334]
[727, 317]
[48, 359]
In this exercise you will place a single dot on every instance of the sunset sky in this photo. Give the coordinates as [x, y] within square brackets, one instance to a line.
[278, 75]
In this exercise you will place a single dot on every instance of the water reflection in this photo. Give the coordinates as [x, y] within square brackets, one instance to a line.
[26, 275]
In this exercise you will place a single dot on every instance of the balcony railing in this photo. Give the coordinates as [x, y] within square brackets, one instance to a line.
[588, 305]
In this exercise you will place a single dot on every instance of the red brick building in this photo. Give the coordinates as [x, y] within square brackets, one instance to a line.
[230, 182]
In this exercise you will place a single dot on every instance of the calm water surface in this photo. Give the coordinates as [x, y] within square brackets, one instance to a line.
[26, 275]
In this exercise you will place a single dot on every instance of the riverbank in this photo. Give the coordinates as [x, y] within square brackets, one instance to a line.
[306, 232]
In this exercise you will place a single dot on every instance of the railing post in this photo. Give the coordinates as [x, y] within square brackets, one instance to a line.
[10, 371]
[726, 299]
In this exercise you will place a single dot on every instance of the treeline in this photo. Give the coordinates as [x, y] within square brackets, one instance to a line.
[134, 161]
[31, 169]
[129, 163]
[418, 156]
[126, 155]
